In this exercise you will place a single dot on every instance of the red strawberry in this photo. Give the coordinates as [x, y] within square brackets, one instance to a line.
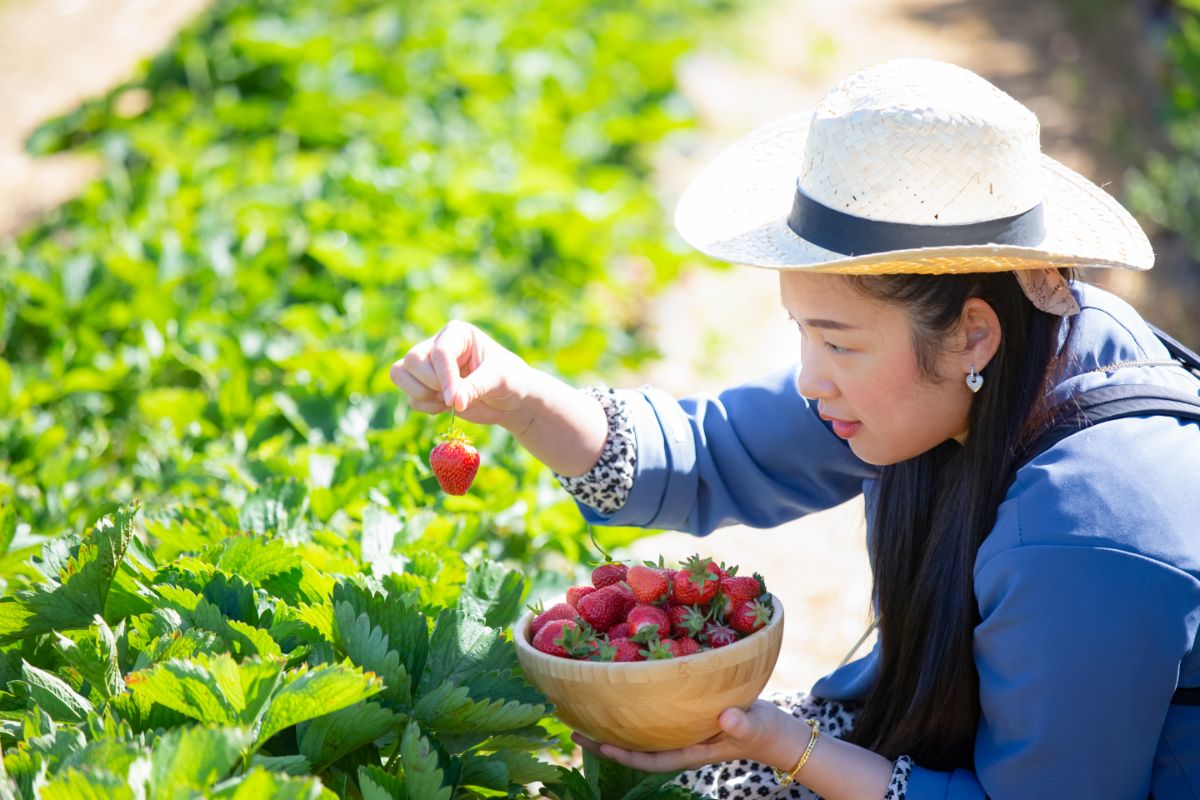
[620, 650]
[738, 589]
[556, 611]
[577, 593]
[683, 646]
[750, 616]
[603, 608]
[647, 621]
[607, 574]
[550, 638]
[697, 582]
[455, 462]
[686, 619]
[627, 596]
[649, 584]
[618, 631]
[718, 635]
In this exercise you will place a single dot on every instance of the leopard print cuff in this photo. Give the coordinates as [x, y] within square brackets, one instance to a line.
[898, 787]
[607, 485]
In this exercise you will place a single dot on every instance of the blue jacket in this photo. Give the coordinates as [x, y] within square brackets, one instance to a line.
[1088, 585]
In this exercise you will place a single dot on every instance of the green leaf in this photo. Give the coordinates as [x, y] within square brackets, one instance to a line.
[96, 659]
[91, 785]
[368, 647]
[422, 773]
[258, 784]
[493, 594]
[309, 693]
[331, 736]
[461, 646]
[52, 694]
[254, 558]
[77, 579]
[406, 628]
[209, 689]
[194, 757]
[379, 785]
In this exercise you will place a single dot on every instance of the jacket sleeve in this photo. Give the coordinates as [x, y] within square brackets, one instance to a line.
[757, 454]
[1079, 651]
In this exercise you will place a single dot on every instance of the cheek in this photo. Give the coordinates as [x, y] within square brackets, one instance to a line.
[909, 420]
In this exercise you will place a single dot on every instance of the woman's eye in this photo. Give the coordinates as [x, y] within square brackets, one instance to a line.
[836, 349]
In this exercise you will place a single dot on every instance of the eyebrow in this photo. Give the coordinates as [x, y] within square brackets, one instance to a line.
[828, 324]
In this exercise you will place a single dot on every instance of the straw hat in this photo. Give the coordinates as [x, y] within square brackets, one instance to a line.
[909, 166]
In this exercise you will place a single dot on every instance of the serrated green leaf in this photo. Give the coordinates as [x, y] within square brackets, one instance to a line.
[91, 785]
[77, 583]
[422, 773]
[194, 757]
[493, 594]
[95, 659]
[309, 693]
[207, 689]
[298, 766]
[461, 646]
[52, 694]
[526, 768]
[368, 647]
[484, 774]
[406, 628]
[254, 558]
[331, 736]
[258, 784]
[379, 785]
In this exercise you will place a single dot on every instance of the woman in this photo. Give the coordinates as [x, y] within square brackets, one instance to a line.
[1036, 619]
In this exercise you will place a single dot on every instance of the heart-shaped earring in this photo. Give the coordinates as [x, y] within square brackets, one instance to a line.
[974, 380]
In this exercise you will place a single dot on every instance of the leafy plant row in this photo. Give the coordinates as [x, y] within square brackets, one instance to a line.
[245, 671]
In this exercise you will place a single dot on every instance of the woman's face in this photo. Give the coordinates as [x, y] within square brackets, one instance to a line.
[859, 365]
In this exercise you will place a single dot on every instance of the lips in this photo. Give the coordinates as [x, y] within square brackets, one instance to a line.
[842, 427]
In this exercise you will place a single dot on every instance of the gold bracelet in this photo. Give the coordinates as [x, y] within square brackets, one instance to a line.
[788, 778]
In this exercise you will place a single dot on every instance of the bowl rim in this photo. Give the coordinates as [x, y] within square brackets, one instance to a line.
[524, 645]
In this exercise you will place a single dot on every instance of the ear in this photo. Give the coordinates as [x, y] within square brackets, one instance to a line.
[979, 328]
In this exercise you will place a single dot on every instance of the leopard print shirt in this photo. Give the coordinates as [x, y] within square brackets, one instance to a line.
[606, 486]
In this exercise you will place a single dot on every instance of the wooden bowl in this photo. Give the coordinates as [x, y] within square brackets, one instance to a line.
[653, 705]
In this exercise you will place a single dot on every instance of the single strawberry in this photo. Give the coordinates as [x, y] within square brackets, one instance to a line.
[618, 631]
[455, 462]
[647, 621]
[683, 646]
[718, 635]
[749, 616]
[556, 611]
[577, 593]
[603, 608]
[607, 574]
[697, 582]
[627, 596]
[686, 619]
[649, 584]
[550, 638]
[735, 590]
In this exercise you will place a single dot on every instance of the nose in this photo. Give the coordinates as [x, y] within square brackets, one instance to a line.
[813, 385]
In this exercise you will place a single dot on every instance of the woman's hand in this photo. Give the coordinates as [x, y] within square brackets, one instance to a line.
[764, 733]
[463, 368]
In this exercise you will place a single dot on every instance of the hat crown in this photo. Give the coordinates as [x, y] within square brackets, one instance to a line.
[925, 143]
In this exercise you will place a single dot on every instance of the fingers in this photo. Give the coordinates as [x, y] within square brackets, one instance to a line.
[420, 396]
[451, 348]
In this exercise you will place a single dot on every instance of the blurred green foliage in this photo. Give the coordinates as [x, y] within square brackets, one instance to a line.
[315, 187]
[293, 195]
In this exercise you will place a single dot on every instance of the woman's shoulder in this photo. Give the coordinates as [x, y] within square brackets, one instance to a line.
[1128, 484]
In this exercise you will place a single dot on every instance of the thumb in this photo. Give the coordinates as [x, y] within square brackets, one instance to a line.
[736, 723]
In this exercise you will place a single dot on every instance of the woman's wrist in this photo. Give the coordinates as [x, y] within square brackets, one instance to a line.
[559, 425]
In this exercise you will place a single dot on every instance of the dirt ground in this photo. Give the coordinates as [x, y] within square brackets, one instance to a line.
[715, 328]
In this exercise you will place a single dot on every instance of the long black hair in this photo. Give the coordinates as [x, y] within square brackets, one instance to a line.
[933, 512]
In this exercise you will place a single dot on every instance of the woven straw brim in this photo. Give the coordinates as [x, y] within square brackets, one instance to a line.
[736, 210]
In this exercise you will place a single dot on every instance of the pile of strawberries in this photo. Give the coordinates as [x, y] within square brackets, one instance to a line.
[650, 612]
